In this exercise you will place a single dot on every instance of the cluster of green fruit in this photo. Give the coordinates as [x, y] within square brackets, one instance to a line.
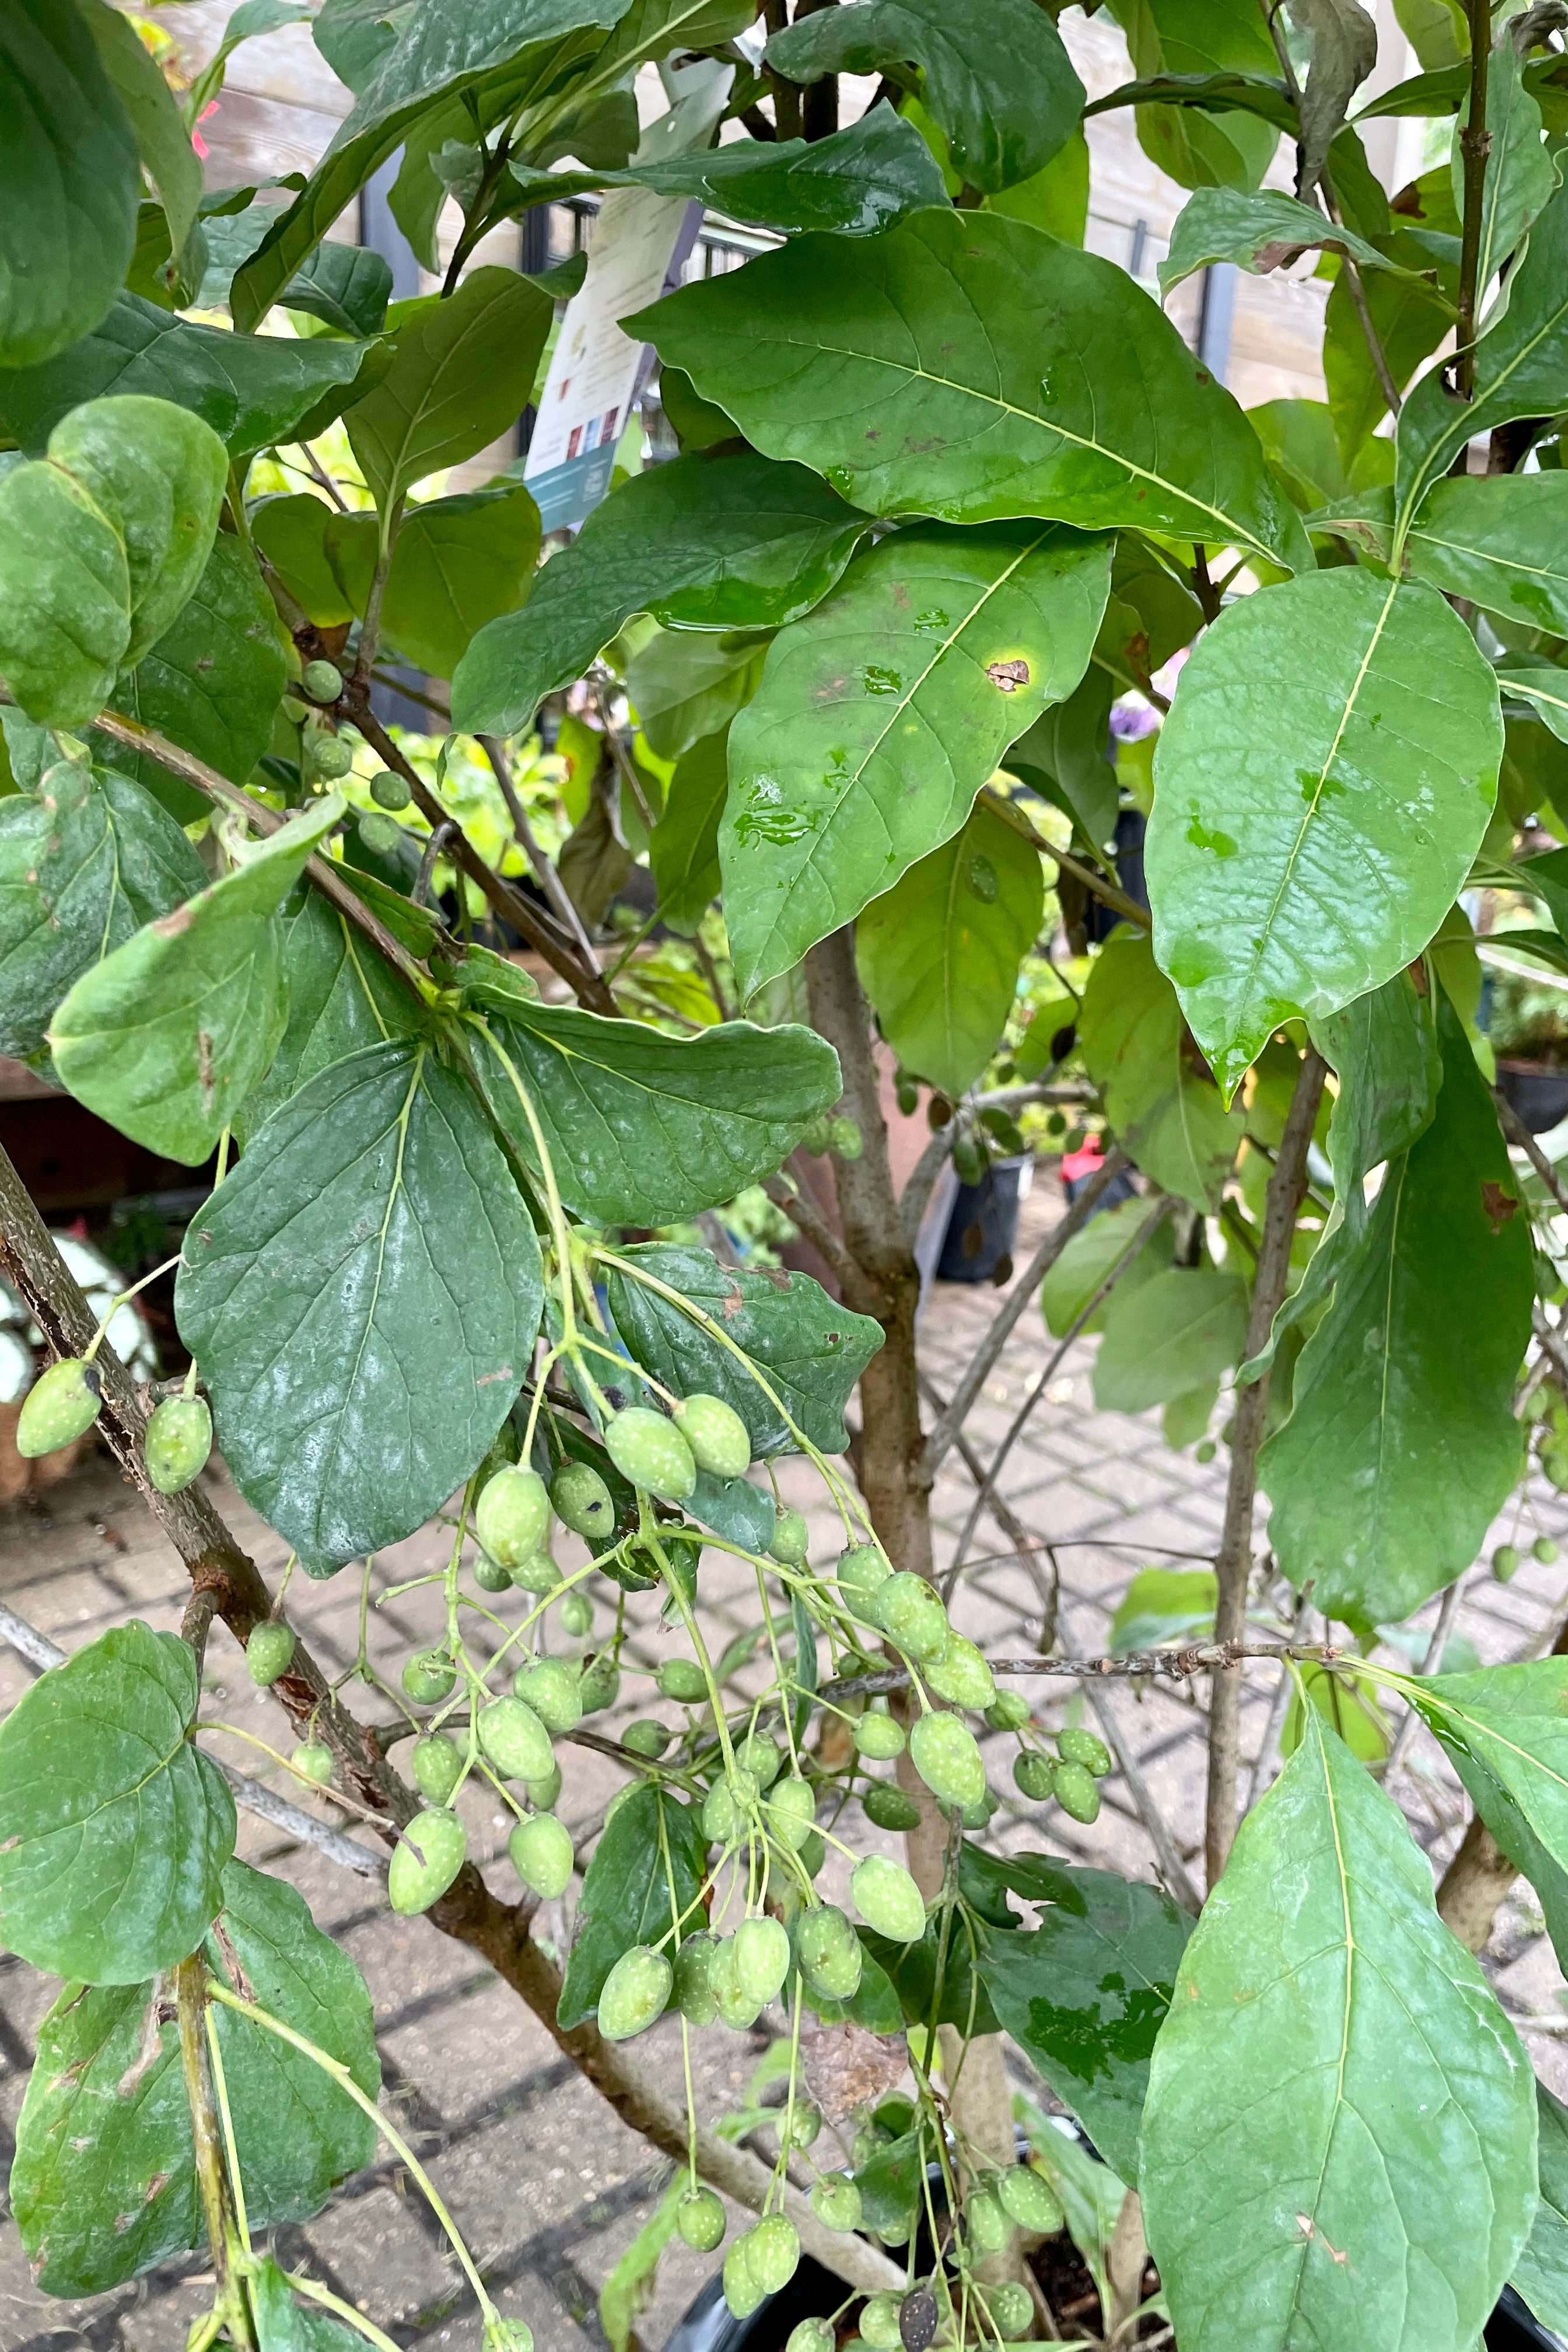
[1505, 1560]
[64, 1401]
[1070, 1776]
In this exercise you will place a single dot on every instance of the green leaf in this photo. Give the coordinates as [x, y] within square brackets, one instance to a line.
[290, 533]
[1541, 2273]
[341, 997]
[889, 2181]
[252, 390]
[282, 2325]
[435, 53]
[684, 685]
[1335, 2078]
[65, 595]
[167, 1036]
[626, 1889]
[1410, 319]
[82, 866]
[683, 849]
[995, 75]
[644, 1128]
[1163, 1107]
[1521, 176]
[462, 369]
[628, 2289]
[1499, 539]
[1545, 691]
[1167, 1335]
[68, 183]
[911, 1971]
[345, 286]
[371, 1229]
[719, 543]
[105, 2179]
[1520, 370]
[457, 563]
[1196, 66]
[968, 366]
[810, 1350]
[1089, 1256]
[880, 716]
[1299, 443]
[153, 111]
[1064, 756]
[1164, 1605]
[113, 1829]
[1403, 1443]
[875, 2005]
[1258, 229]
[1315, 809]
[939, 954]
[1345, 51]
[249, 22]
[1085, 1995]
[212, 683]
[1506, 1730]
[158, 476]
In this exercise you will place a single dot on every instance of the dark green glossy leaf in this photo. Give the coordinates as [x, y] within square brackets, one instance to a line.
[735, 1509]
[371, 1229]
[1259, 229]
[939, 954]
[810, 1350]
[153, 111]
[683, 849]
[1065, 756]
[167, 1036]
[68, 183]
[968, 366]
[911, 1970]
[625, 1897]
[291, 534]
[1316, 808]
[1520, 175]
[1541, 2273]
[644, 1128]
[1168, 1336]
[462, 369]
[341, 997]
[889, 2182]
[1210, 100]
[82, 866]
[113, 1829]
[880, 716]
[345, 286]
[65, 595]
[105, 2181]
[457, 563]
[1166, 1111]
[1085, 1995]
[684, 684]
[157, 474]
[282, 2325]
[995, 74]
[1403, 1443]
[723, 543]
[1500, 540]
[252, 390]
[1335, 2078]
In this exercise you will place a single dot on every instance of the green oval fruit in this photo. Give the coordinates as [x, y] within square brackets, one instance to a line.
[636, 1992]
[600, 1687]
[491, 1576]
[1028, 2198]
[1545, 1551]
[552, 1689]
[1205, 1450]
[737, 2011]
[683, 1679]
[728, 1804]
[437, 1765]
[515, 1740]
[1011, 2307]
[700, 2219]
[321, 680]
[791, 1538]
[909, 1611]
[976, 1816]
[582, 1501]
[429, 1676]
[790, 1810]
[835, 2202]
[178, 1441]
[810, 2334]
[757, 1756]
[878, 1738]
[742, 2292]
[693, 1980]
[720, 1441]
[651, 1452]
[389, 791]
[861, 1569]
[891, 1809]
[425, 1860]
[270, 1651]
[313, 1761]
[511, 1518]
[546, 1794]
[1033, 1775]
[1505, 1563]
[1077, 1792]
[541, 1850]
[538, 1575]
[803, 2129]
[647, 1736]
[762, 1959]
[887, 1899]
[879, 2322]
[1075, 1746]
[986, 2226]
[828, 1952]
[576, 1614]
[772, 2252]
[960, 1675]
[845, 1138]
[1009, 1711]
[331, 758]
[944, 1751]
[60, 1405]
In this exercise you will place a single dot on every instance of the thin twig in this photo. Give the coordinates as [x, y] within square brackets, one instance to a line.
[1106, 892]
[1475, 146]
[1172, 1665]
[439, 837]
[1429, 1665]
[1518, 1134]
[802, 1209]
[544, 873]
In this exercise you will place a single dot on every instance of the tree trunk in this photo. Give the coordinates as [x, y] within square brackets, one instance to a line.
[1474, 1884]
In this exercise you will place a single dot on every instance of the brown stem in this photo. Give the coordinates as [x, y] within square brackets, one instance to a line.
[1106, 892]
[800, 1206]
[1518, 1134]
[527, 842]
[1474, 1884]
[1287, 1189]
[1475, 146]
[1123, 1666]
[212, 2174]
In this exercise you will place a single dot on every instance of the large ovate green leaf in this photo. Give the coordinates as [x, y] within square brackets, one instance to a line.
[881, 715]
[684, 684]
[810, 1350]
[1541, 2273]
[153, 111]
[456, 564]
[700, 543]
[1334, 2084]
[251, 388]
[939, 954]
[114, 1831]
[68, 183]
[995, 74]
[167, 1036]
[1499, 539]
[65, 595]
[970, 367]
[105, 2179]
[1403, 1443]
[462, 369]
[341, 996]
[371, 1229]
[1259, 229]
[1211, 90]
[630, 1895]
[1162, 1103]
[644, 1128]
[1321, 786]
[1179, 1330]
[84, 861]
[158, 475]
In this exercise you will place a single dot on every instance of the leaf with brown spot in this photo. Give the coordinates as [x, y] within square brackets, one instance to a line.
[846, 2067]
